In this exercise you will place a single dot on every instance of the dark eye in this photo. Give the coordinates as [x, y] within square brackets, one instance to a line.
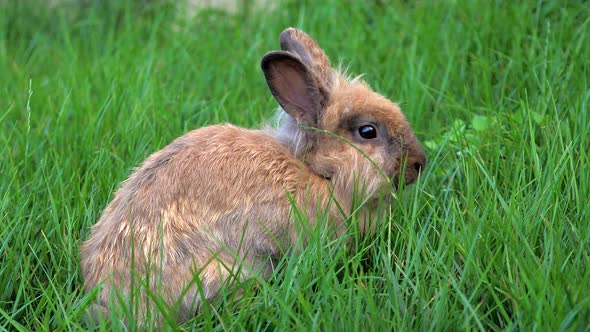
[368, 132]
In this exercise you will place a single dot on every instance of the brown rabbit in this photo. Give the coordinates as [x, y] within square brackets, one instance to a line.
[222, 196]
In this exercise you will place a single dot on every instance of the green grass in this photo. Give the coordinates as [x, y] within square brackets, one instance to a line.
[496, 235]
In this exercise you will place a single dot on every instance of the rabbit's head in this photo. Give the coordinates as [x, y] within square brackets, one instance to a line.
[344, 131]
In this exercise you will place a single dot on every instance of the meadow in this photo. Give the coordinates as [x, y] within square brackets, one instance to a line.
[494, 236]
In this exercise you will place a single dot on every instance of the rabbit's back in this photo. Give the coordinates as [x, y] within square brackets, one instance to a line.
[218, 190]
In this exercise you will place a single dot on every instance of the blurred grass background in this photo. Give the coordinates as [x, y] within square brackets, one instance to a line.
[494, 237]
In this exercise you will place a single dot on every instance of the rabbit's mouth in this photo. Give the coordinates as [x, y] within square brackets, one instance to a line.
[409, 177]
[395, 183]
[400, 185]
[394, 180]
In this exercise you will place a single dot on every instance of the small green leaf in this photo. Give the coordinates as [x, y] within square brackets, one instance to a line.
[431, 145]
[480, 122]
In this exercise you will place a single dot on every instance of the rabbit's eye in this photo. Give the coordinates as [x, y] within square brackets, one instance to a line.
[368, 132]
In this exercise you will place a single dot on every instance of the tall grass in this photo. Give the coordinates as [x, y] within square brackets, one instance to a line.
[495, 235]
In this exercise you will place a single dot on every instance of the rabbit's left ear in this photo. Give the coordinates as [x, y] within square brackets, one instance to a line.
[294, 86]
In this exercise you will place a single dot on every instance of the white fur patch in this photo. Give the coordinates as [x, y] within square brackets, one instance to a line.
[284, 128]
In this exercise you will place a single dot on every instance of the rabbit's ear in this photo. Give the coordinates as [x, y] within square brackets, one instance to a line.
[300, 43]
[293, 86]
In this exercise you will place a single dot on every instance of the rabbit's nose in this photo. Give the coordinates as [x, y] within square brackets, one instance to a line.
[420, 162]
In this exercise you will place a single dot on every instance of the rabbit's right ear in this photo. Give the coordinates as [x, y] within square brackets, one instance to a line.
[300, 43]
[293, 85]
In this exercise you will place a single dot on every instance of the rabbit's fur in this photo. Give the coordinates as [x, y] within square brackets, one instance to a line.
[222, 196]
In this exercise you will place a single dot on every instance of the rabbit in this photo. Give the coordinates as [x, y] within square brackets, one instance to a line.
[223, 196]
